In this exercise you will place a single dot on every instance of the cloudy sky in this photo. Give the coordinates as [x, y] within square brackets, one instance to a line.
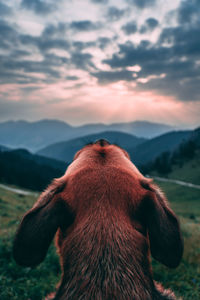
[85, 61]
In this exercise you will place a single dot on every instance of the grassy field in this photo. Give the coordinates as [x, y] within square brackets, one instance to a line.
[26, 283]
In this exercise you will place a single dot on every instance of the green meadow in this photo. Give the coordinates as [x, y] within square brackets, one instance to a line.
[33, 284]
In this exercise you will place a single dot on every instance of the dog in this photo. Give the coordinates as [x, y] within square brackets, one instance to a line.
[107, 218]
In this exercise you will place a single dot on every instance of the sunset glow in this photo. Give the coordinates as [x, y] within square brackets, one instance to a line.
[88, 61]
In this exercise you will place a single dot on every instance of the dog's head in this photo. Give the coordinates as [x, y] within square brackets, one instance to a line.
[148, 208]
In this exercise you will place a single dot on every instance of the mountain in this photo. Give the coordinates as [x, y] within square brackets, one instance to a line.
[65, 150]
[37, 135]
[21, 168]
[150, 149]
[32, 136]
[3, 148]
[138, 128]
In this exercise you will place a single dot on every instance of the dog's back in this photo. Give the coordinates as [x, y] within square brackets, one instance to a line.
[108, 218]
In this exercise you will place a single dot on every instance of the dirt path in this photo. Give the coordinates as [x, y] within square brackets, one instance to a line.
[18, 191]
[188, 184]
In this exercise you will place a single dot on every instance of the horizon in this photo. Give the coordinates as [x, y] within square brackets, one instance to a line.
[174, 127]
[102, 61]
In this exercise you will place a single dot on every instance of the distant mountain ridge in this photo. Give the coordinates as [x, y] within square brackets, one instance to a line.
[37, 135]
[150, 149]
[141, 151]
[65, 151]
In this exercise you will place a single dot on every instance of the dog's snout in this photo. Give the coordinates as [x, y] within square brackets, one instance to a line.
[102, 142]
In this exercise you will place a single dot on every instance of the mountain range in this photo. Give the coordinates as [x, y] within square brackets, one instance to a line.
[23, 168]
[65, 150]
[37, 135]
[140, 150]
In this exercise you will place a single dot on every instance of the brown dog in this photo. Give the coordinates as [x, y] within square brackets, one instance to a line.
[108, 218]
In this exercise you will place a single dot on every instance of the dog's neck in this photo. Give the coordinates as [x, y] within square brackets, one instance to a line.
[105, 259]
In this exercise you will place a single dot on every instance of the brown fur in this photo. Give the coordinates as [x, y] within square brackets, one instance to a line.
[108, 219]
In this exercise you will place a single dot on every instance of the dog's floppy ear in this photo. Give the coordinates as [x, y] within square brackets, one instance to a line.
[40, 224]
[165, 238]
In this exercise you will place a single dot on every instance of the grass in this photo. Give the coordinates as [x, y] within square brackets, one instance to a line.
[26, 283]
[184, 280]
[19, 283]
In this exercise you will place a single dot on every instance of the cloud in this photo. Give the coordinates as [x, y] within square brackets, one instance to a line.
[45, 44]
[52, 37]
[79, 45]
[8, 35]
[130, 27]
[18, 70]
[62, 57]
[103, 42]
[5, 10]
[188, 11]
[177, 60]
[113, 76]
[81, 61]
[52, 30]
[42, 7]
[142, 3]
[100, 1]
[85, 25]
[72, 78]
[150, 25]
[114, 13]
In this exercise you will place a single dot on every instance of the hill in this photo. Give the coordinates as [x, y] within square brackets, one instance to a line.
[183, 163]
[37, 135]
[3, 148]
[20, 167]
[188, 171]
[150, 149]
[65, 150]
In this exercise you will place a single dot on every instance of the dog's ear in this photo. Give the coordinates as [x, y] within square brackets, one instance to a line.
[40, 224]
[165, 238]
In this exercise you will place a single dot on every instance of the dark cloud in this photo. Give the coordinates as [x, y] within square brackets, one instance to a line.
[85, 25]
[9, 76]
[44, 44]
[8, 35]
[52, 30]
[112, 76]
[176, 55]
[184, 90]
[130, 55]
[100, 1]
[29, 89]
[18, 70]
[79, 45]
[39, 6]
[114, 13]
[150, 25]
[189, 11]
[17, 65]
[81, 61]
[72, 78]
[142, 3]
[103, 42]
[184, 42]
[130, 27]
[5, 10]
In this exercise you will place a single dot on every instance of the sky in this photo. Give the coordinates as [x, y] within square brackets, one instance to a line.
[91, 61]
